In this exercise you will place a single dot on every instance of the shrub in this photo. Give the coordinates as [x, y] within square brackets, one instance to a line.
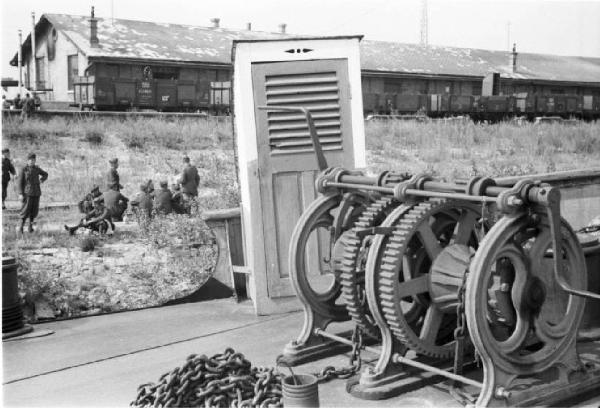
[88, 244]
[93, 137]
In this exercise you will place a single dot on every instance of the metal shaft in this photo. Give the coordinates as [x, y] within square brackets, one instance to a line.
[413, 192]
[456, 196]
[397, 358]
[386, 190]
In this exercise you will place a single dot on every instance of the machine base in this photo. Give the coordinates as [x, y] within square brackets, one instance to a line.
[315, 349]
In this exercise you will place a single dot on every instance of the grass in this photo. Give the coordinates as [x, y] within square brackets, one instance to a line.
[76, 153]
[463, 149]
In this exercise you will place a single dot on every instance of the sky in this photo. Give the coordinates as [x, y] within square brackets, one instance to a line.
[538, 26]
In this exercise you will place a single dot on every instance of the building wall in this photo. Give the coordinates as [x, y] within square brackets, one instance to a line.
[56, 74]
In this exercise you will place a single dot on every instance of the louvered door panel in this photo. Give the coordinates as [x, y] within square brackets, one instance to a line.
[288, 133]
[286, 152]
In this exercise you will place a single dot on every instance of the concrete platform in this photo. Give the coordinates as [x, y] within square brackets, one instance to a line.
[100, 361]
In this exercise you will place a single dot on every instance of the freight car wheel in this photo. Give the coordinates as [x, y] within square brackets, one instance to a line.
[352, 260]
[518, 317]
[424, 265]
[315, 283]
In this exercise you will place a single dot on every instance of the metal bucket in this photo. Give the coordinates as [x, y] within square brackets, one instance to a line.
[12, 315]
[301, 390]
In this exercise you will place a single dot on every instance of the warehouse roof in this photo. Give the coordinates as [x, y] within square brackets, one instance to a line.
[176, 42]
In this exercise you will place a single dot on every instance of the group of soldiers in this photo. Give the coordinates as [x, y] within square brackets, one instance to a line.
[102, 209]
[26, 105]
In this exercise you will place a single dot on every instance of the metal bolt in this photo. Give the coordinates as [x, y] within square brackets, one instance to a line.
[502, 393]
[514, 201]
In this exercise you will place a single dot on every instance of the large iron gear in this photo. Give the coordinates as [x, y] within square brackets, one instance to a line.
[352, 264]
[541, 320]
[419, 238]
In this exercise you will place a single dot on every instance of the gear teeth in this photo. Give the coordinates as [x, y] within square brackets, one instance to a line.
[388, 276]
[351, 288]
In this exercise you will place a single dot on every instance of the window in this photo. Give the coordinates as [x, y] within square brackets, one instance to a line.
[40, 69]
[72, 69]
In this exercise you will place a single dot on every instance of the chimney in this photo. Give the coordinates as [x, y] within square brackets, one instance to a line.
[215, 22]
[94, 42]
[249, 26]
[513, 59]
[282, 27]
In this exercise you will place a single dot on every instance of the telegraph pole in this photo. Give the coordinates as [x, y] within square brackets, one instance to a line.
[424, 24]
[33, 59]
[20, 62]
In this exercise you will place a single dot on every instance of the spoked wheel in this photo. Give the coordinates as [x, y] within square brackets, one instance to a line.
[518, 316]
[422, 270]
[311, 246]
[352, 259]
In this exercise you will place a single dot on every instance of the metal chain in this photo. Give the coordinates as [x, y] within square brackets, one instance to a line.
[329, 373]
[223, 380]
[456, 389]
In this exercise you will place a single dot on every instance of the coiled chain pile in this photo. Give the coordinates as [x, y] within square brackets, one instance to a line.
[223, 380]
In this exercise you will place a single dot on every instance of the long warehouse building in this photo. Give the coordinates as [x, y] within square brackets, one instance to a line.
[70, 47]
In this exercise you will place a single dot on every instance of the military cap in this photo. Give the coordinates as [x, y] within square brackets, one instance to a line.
[31, 156]
[5, 150]
[115, 160]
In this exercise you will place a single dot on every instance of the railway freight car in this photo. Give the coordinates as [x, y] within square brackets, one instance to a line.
[490, 107]
[163, 95]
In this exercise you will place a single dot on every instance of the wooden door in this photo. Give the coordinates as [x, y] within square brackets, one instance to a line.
[287, 162]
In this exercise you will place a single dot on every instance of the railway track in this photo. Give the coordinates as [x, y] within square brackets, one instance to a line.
[47, 114]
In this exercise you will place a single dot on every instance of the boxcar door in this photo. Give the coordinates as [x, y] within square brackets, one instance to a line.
[288, 165]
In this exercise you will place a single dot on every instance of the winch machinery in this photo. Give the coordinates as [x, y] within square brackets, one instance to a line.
[444, 276]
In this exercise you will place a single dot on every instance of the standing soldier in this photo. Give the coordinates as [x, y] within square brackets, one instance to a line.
[112, 177]
[189, 180]
[30, 178]
[17, 104]
[7, 170]
[28, 107]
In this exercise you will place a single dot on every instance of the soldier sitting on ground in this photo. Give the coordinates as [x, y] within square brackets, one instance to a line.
[87, 204]
[115, 202]
[162, 199]
[97, 220]
[142, 203]
[177, 202]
